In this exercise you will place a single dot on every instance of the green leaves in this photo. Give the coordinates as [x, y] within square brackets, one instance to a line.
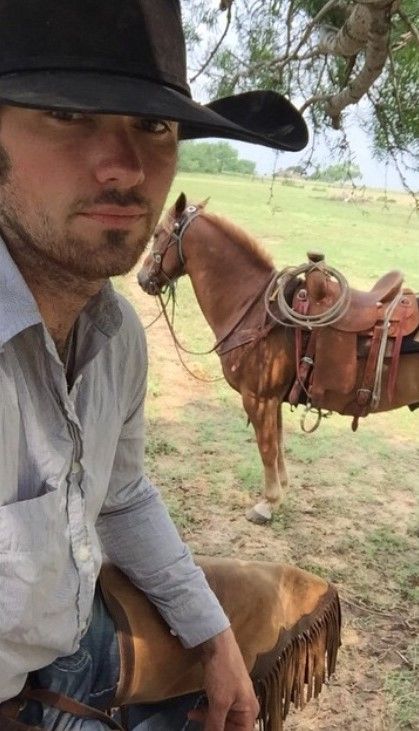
[216, 158]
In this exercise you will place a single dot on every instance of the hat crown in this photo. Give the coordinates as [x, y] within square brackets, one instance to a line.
[134, 37]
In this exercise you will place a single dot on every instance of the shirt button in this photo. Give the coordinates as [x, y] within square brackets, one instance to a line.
[75, 468]
[84, 553]
[173, 632]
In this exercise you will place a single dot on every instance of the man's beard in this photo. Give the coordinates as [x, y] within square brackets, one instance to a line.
[62, 255]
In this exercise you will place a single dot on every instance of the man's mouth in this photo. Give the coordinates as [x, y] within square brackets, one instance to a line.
[114, 216]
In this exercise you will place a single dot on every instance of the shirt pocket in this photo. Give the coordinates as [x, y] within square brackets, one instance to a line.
[34, 568]
[31, 525]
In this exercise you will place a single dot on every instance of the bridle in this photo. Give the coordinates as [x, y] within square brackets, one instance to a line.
[175, 238]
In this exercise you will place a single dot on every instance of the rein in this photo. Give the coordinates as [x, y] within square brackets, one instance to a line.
[179, 348]
[265, 287]
[158, 316]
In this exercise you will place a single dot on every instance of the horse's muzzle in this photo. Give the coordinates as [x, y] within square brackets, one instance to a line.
[148, 284]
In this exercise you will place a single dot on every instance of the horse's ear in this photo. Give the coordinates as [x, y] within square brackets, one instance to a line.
[180, 205]
[203, 203]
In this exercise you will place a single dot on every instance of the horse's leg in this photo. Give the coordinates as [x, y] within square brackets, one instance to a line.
[282, 469]
[263, 414]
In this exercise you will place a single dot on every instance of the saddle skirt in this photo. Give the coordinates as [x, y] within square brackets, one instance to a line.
[286, 621]
[386, 311]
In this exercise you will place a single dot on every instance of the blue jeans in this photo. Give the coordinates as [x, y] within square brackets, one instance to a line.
[90, 676]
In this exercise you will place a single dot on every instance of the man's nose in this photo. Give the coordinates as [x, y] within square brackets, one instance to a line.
[118, 161]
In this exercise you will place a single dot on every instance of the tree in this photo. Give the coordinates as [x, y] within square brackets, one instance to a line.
[339, 173]
[325, 55]
[207, 157]
[293, 171]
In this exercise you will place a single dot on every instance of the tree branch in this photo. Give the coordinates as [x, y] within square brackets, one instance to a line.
[413, 29]
[351, 38]
[217, 45]
[226, 4]
[376, 54]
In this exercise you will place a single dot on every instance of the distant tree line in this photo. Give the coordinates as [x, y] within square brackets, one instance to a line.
[338, 173]
[214, 158]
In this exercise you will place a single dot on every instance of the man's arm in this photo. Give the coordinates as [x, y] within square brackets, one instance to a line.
[134, 525]
[143, 542]
[141, 539]
[232, 704]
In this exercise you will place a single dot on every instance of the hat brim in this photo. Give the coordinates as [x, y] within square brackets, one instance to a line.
[264, 118]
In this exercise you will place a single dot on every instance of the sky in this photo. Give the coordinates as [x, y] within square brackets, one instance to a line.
[374, 173]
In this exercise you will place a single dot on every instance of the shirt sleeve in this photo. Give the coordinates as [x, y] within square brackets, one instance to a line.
[140, 538]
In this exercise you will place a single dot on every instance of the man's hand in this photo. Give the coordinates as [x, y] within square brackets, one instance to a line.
[232, 704]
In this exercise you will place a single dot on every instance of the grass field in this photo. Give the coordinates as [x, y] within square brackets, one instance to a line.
[363, 238]
[350, 513]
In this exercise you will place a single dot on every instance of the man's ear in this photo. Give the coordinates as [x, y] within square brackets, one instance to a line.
[180, 205]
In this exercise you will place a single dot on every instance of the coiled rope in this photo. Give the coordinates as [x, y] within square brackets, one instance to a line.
[276, 291]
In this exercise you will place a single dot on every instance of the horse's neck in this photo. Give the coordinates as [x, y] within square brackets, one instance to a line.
[225, 275]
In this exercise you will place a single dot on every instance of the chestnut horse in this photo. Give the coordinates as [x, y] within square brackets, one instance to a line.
[230, 274]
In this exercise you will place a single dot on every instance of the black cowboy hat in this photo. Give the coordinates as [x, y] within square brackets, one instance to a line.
[125, 57]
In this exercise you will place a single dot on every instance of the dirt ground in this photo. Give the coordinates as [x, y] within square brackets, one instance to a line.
[376, 664]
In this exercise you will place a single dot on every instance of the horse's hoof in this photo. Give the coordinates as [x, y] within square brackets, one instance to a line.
[259, 514]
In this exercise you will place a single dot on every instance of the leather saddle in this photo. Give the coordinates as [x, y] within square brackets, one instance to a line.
[386, 311]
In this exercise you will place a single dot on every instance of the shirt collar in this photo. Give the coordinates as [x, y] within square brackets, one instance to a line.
[19, 310]
[104, 311]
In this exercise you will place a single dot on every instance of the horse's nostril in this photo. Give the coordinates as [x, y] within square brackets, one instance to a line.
[149, 285]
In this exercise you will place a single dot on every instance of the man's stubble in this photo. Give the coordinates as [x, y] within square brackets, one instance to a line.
[62, 256]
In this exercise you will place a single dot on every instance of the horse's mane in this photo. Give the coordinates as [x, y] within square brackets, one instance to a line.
[240, 237]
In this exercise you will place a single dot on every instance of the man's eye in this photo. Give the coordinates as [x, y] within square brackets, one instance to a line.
[61, 116]
[155, 126]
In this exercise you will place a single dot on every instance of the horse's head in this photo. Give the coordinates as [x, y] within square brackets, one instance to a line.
[166, 261]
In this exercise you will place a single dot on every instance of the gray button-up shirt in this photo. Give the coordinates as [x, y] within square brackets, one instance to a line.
[72, 482]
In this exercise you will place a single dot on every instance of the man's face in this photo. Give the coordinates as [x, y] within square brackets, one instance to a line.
[83, 191]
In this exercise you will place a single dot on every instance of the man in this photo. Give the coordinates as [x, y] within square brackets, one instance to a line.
[93, 100]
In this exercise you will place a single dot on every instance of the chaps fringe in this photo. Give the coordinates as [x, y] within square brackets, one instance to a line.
[295, 670]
